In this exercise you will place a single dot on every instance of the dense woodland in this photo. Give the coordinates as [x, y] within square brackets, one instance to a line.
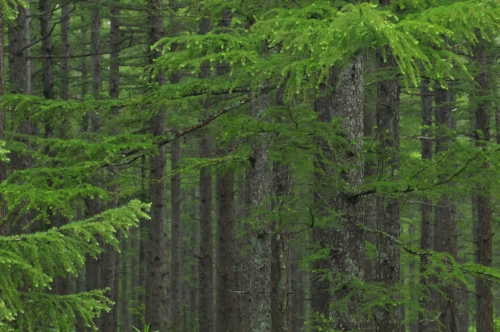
[245, 165]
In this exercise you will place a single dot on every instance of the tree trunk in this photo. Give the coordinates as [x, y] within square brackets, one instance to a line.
[205, 262]
[114, 92]
[176, 304]
[280, 265]
[257, 277]
[297, 293]
[156, 252]
[426, 239]
[65, 48]
[388, 255]
[484, 295]
[345, 239]
[3, 165]
[20, 81]
[445, 217]
[225, 273]
[347, 245]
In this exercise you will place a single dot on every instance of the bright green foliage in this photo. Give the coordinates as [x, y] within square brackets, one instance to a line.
[29, 262]
[9, 10]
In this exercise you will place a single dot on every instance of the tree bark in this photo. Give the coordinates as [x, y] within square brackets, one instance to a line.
[347, 245]
[156, 252]
[257, 277]
[484, 295]
[225, 273]
[20, 81]
[176, 304]
[445, 217]
[388, 253]
[3, 165]
[345, 239]
[280, 264]
[426, 234]
[109, 258]
[65, 48]
[205, 262]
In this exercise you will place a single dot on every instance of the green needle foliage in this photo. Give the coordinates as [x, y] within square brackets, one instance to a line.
[29, 262]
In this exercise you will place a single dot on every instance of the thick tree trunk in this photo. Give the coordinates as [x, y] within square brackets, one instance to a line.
[484, 300]
[156, 252]
[257, 277]
[345, 239]
[388, 253]
[19, 64]
[225, 273]
[20, 82]
[176, 304]
[347, 245]
[445, 217]
[426, 239]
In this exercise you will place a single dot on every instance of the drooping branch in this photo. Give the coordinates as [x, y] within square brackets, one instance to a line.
[83, 55]
[353, 196]
[179, 134]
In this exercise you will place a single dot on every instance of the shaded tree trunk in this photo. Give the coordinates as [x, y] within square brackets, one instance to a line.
[65, 48]
[225, 272]
[20, 82]
[445, 217]
[426, 231]
[297, 293]
[484, 295]
[176, 304]
[280, 265]
[205, 262]
[388, 253]
[3, 165]
[156, 252]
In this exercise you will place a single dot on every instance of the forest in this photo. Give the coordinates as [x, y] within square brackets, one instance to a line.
[249, 165]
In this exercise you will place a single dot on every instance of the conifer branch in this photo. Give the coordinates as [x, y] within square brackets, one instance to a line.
[410, 189]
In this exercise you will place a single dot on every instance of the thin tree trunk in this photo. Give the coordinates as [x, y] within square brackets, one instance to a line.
[445, 218]
[484, 297]
[65, 48]
[3, 165]
[142, 266]
[239, 258]
[114, 92]
[176, 263]
[156, 252]
[125, 296]
[280, 265]
[388, 253]
[205, 262]
[225, 273]
[297, 293]
[370, 212]
[426, 239]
